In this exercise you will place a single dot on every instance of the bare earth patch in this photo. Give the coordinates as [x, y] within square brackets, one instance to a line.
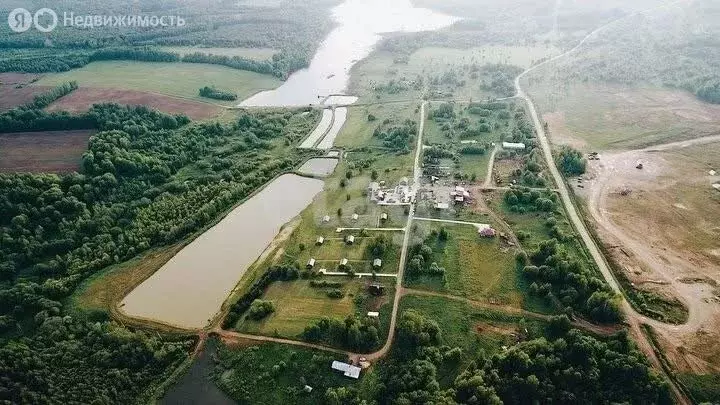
[661, 225]
[11, 79]
[14, 91]
[83, 98]
[37, 152]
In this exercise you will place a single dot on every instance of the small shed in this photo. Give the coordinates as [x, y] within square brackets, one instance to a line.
[459, 199]
[355, 217]
[343, 263]
[373, 314]
[716, 186]
[326, 218]
[320, 240]
[348, 369]
[442, 206]
[376, 289]
[307, 389]
[404, 181]
[310, 264]
[377, 263]
[384, 216]
[350, 239]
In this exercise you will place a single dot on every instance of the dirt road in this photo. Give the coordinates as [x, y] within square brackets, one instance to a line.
[634, 319]
[616, 171]
[406, 242]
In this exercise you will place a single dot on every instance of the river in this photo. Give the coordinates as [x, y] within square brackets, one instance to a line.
[190, 288]
[359, 28]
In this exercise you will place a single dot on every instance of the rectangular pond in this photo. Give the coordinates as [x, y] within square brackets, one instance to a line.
[190, 288]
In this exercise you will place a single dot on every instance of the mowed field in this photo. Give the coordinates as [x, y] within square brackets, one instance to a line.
[602, 117]
[83, 98]
[37, 152]
[298, 305]
[475, 268]
[249, 53]
[173, 79]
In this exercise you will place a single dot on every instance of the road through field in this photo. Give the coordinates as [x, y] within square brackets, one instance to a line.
[634, 319]
[406, 242]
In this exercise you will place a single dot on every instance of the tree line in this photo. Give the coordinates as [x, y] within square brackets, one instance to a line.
[132, 193]
[212, 92]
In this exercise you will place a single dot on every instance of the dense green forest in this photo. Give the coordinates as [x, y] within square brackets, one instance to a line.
[147, 179]
[552, 364]
[294, 29]
[567, 367]
[280, 65]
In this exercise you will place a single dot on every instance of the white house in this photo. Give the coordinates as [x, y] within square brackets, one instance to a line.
[320, 240]
[350, 239]
[512, 145]
[377, 263]
[348, 369]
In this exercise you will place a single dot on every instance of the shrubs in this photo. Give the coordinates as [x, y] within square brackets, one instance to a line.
[212, 92]
[571, 162]
[325, 284]
[557, 276]
[275, 273]
[353, 333]
[522, 200]
[336, 293]
[260, 309]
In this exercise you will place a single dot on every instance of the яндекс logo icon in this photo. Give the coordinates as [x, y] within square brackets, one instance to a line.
[21, 19]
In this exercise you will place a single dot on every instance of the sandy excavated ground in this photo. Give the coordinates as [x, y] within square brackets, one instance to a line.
[666, 234]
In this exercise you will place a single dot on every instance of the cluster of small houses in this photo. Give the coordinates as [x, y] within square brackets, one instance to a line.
[459, 196]
[355, 217]
[400, 195]
[349, 240]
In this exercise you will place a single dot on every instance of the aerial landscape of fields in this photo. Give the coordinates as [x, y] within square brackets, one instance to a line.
[360, 202]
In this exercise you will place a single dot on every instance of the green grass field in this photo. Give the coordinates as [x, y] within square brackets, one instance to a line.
[358, 130]
[475, 268]
[173, 79]
[298, 305]
[600, 117]
[249, 53]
